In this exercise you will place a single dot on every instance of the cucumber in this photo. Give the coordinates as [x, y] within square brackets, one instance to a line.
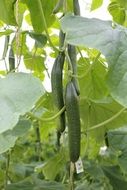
[61, 39]
[73, 59]
[58, 6]
[57, 92]
[73, 117]
[76, 7]
[11, 60]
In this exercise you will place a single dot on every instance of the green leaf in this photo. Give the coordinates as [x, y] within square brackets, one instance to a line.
[116, 178]
[35, 9]
[21, 10]
[122, 161]
[36, 184]
[6, 32]
[93, 83]
[117, 12]
[85, 185]
[118, 138]
[19, 92]
[54, 165]
[96, 4]
[8, 138]
[7, 11]
[101, 35]
[34, 63]
[93, 113]
[40, 39]
[94, 170]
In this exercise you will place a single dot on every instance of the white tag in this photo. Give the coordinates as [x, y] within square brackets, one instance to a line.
[79, 166]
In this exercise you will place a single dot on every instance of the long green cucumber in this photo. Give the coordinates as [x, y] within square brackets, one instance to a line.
[11, 60]
[73, 117]
[73, 59]
[76, 7]
[61, 39]
[57, 90]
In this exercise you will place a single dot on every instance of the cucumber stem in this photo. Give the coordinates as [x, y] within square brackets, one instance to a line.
[102, 124]
[72, 169]
[46, 119]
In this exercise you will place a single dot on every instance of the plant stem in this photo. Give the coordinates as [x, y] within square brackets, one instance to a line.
[96, 58]
[38, 140]
[106, 121]
[87, 71]
[6, 43]
[65, 7]
[5, 51]
[85, 60]
[7, 169]
[72, 169]
[45, 25]
[46, 119]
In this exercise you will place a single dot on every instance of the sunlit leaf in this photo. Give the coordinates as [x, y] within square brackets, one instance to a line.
[16, 90]
[118, 13]
[35, 9]
[7, 11]
[96, 4]
[8, 138]
[112, 42]
[40, 39]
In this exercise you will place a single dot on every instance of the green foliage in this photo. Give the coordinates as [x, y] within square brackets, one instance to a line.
[30, 158]
[99, 34]
[8, 138]
[34, 183]
[117, 9]
[36, 8]
[14, 95]
[96, 4]
[7, 12]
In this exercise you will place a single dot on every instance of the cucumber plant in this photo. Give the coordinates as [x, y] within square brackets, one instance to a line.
[49, 51]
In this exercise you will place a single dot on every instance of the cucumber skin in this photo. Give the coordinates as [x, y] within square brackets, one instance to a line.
[61, 39]
[73, 117]
[73, 59]
[57, 90]
[11, 60]
[76, 7]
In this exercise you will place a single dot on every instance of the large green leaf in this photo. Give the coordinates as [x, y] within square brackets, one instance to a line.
[117, 180]
[117, 9]
[34, 63]
[8, 138]
[19, 92]
[117, 12]
[7, 11]
[118, 141]
[36, 184]
[54, 165]
[36, 13]
[95, 112]
[40, 39]
[93, 83]
[118, 138]
[112, 42]
[122, 160]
